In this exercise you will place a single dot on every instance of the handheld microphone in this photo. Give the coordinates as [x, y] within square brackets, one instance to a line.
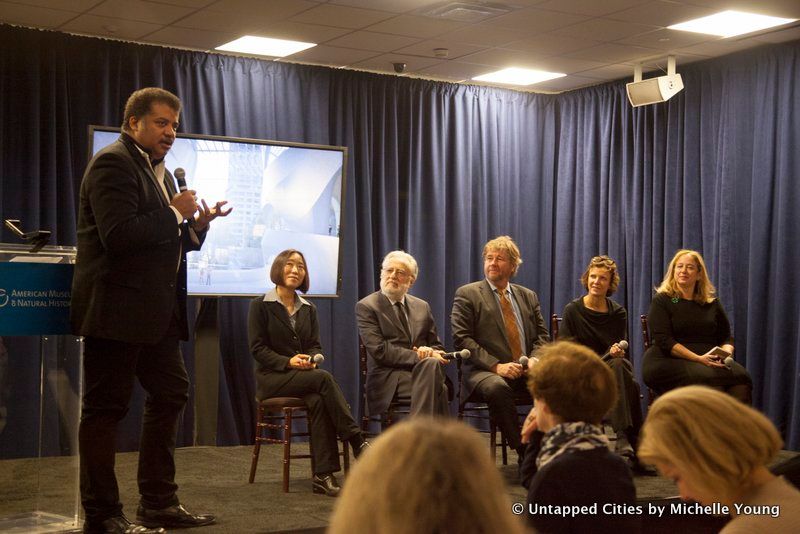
[317, 359]
[462, 354]
[180, 176]
[728, 362]
[524, 361]
[623, 345]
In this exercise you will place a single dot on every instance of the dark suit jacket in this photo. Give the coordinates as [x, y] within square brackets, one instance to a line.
[388, 345]
[273, 341]
[478, 326]
[127, 271]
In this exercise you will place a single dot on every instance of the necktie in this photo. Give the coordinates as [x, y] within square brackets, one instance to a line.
[401, 314]
[512, 331]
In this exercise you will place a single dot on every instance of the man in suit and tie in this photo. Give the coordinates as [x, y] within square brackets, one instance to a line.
[129, 303]
[405, 353]
[498, 322]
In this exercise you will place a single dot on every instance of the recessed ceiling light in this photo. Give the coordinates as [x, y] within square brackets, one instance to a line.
[265, 46]
[518, 76]
[730, 23]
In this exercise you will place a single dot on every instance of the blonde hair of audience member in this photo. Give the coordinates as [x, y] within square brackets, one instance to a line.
[425, 476]
[602, 262]
[714, 446]
[505, 244]
[704, 290]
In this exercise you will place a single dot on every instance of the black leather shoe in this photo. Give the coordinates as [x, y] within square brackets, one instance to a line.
[118, 525]
[173, 517]
[325, 484]
[358, 451]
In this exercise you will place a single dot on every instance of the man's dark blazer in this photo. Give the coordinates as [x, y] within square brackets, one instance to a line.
[273, 341]
[127, 274]
[478, 326]
[388, 345]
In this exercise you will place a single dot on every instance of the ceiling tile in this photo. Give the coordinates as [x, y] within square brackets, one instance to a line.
[604, 30]
[550, 44]
[455, 70]
[780, 36]
[567, 83]
[665, 39]
[394, 6]
[77, 6]
[413, 26]
[485, 35]
[184, 3]
[364, 40]
[661, 13]
[502, 58]
[594, 8]
[331, 55]
[610, 72]
[274, 9]
[614, 53]
[38, 17]
[189, 38]
[231, 21]
[110, 27]
[535, 21]
[296, 31]
[160, 14]
[426, 48]
[776, 8]
[384, 63]
[341, 16]
[720, 47]
[567, 65]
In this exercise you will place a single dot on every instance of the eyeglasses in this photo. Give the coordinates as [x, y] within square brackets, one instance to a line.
[400, 273]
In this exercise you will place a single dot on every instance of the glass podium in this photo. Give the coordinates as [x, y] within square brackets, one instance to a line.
[40, 386]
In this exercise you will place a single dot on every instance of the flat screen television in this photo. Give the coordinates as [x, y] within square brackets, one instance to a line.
[284, 195]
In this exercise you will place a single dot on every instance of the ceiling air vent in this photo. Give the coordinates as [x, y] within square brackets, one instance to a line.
[466, 11]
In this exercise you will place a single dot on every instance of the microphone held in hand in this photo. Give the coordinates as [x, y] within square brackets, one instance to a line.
[524, 361]
[180, 176]
[728, 362]
[463, 354]
[623, 345]
[317, 359]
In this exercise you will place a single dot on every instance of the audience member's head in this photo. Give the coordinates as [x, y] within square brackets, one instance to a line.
[425, 476]
[570, 383]
[708, 442]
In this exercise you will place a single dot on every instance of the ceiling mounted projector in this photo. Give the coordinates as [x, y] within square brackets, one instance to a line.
[654, 90]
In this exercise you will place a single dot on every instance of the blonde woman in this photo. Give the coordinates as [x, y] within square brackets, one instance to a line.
[691, 333]
[425, 476]
[716, 449]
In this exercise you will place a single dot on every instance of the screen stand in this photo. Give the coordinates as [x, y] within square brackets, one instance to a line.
[206, 373]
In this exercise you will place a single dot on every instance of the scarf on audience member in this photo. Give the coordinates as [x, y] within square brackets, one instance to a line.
[570, 437]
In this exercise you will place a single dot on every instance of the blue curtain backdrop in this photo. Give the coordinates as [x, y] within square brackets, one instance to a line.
[437, 169]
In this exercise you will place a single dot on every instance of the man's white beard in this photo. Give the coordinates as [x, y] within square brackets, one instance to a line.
[391, 292]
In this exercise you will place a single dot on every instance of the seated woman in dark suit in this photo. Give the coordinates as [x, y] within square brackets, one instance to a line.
[284, 336]
[600, 323]
[687, 323]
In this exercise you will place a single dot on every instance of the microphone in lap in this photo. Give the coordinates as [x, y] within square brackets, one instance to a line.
[317, 359]
[524, 361]
[463, 354]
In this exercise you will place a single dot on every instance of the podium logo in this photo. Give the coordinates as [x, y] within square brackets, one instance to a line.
[3, 297]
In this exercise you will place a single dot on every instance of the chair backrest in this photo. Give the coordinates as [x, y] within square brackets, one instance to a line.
[645, 331]
[555, 320]
[362, 377]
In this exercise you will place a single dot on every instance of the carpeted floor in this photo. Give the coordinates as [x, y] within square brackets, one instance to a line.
[214, 479]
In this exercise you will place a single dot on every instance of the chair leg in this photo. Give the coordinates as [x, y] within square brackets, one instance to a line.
[257, 445]
[346, 456]
[493, 440]
[287, 446]
[504, 448]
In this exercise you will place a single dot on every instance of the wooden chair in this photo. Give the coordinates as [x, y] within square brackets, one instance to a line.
[474, 408]
[555, 322]
[276, 415]
[396, 407]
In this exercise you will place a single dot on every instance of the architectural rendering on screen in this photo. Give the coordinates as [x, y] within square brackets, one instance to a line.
[283, 196]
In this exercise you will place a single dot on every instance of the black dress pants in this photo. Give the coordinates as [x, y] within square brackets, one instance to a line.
[110, 368]
[500, 394]
[329, 414]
